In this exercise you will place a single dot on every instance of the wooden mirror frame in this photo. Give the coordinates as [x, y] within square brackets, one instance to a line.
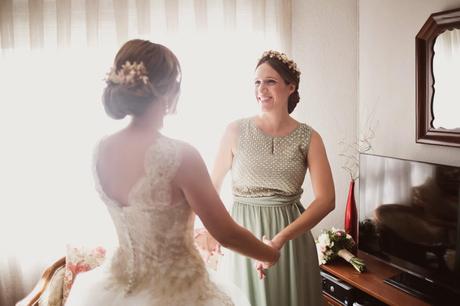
[424, 48]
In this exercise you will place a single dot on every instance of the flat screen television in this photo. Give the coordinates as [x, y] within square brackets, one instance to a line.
[409, 218]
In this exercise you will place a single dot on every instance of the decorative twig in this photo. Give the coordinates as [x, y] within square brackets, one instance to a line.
[350, 152]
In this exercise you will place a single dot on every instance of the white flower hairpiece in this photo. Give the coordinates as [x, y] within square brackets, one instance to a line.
[128, 74]
[284, 59]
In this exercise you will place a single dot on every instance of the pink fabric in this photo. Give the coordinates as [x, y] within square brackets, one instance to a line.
[78, 260]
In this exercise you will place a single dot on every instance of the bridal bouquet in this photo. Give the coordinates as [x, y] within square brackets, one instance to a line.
[335, 243]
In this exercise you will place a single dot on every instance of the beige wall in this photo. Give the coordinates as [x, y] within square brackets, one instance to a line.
[324, 35]
[387, 31]
[357, 59]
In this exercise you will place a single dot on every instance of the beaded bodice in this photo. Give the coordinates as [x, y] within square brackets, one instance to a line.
[156, 248]
[267, 165]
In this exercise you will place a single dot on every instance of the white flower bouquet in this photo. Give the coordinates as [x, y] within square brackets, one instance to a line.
[335, 243]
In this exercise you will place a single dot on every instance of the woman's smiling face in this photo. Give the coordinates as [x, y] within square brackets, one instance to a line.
[270, 89]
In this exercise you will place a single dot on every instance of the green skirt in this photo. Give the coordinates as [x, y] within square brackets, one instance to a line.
[295, 279]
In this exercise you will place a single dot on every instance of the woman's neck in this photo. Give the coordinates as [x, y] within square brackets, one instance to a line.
[149, 126]
[150, 121]
[275, 122]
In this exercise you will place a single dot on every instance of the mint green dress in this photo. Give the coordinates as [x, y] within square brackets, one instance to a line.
[267, 177]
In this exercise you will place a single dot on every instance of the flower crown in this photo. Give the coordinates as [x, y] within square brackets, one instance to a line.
[129, 74]
[284, 59]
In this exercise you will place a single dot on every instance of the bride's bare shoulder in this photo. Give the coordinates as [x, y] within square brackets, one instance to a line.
[111, 141]
[191, 162]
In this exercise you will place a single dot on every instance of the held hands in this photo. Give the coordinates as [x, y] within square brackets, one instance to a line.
[206, 243]
[262, 266]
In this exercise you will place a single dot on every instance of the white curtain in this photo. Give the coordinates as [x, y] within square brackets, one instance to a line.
[54, 56]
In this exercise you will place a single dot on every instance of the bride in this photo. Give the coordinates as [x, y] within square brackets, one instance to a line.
[152, 185]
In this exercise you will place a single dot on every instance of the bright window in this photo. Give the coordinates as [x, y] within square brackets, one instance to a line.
[52, 117]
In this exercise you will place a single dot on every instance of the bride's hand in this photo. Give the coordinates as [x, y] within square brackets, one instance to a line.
[262, 266]
[207, 243]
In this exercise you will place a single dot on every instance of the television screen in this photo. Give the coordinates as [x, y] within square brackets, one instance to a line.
[408, 217]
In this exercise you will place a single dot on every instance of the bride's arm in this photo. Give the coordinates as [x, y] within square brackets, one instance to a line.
[193, 179]
[222, 164]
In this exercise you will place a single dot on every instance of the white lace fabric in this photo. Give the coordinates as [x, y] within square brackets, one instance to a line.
[156, 258]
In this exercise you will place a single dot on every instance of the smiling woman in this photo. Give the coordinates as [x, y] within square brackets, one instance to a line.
[54, 58]
[269, 155]
[271, 89]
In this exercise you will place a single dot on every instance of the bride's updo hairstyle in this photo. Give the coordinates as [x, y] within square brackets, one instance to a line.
[287, 69]
[143, 73]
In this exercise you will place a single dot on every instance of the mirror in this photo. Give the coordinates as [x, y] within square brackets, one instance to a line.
[438, 79]
[446, 69]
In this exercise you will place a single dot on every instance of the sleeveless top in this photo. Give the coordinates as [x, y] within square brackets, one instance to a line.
[266, 165]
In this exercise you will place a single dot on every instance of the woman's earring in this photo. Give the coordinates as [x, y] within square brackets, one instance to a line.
[166, 107]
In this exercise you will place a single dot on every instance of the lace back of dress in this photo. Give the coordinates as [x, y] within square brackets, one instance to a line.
[156, 253]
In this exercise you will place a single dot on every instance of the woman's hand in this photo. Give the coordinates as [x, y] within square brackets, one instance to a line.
[262, 266]
[278, 241]
[207, 243]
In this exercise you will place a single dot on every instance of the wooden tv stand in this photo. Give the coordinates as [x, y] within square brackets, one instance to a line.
[371, 282]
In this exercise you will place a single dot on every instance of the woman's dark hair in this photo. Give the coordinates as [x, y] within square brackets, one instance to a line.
[162, 69]
[289, 74]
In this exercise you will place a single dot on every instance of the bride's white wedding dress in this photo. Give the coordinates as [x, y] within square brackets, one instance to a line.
[156, 262]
